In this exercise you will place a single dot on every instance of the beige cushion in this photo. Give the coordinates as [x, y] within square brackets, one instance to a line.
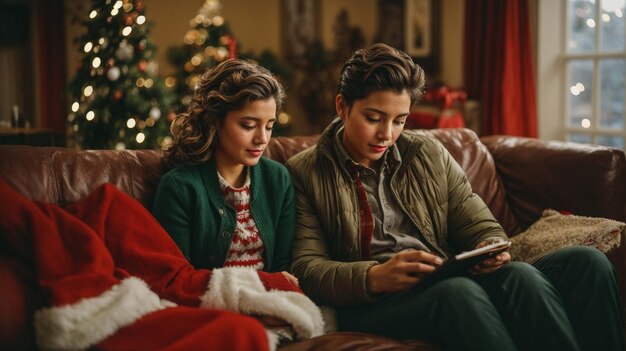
[554, 231]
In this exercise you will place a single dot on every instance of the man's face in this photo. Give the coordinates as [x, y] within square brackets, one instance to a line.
[373, 124]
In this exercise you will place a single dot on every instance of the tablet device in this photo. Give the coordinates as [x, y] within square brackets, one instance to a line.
[461, 263]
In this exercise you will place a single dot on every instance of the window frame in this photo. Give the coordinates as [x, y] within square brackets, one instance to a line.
[552, 75]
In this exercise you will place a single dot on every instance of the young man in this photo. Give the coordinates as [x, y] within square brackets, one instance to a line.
[378, 209]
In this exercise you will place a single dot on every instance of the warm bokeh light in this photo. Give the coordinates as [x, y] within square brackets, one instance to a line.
[585, 123]
[140, 138]
[126, 31]
[283, 118]
[218, 20]
[196, 60]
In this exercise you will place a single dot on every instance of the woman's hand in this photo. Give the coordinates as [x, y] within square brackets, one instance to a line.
[276, 322]
[292, 279]
[491, 264]
[402, 271]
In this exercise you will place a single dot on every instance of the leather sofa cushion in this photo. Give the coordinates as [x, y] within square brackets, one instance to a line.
[66, 175]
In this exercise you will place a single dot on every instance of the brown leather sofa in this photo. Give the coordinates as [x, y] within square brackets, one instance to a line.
[517, 178]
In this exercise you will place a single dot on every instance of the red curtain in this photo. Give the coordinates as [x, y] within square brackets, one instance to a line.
[498, 65]
[50, 37]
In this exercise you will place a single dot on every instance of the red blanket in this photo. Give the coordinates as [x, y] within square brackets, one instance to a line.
[105, 267]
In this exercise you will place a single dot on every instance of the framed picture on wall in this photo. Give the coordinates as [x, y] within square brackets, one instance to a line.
[418, 26]
[421, 32]
[300, 19]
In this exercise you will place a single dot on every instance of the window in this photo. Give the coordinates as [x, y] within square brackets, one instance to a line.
[588, 86]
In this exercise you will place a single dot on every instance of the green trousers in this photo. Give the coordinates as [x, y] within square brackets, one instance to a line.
[568, 300]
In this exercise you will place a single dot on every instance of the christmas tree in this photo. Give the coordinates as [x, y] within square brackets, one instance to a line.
[207, 43]
[118, 101]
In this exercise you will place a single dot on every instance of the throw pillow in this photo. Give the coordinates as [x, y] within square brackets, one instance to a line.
[555, 230]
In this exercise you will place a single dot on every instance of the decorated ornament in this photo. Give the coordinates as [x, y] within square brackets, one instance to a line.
[142, 65]
[153, 68]
[128, 20]
[113, 73]
[231, 43]
[142, 44]
[124, 52]
[171, 116]
[155, 113]
[117, 95]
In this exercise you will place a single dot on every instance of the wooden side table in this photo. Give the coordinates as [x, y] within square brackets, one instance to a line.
[31, 136]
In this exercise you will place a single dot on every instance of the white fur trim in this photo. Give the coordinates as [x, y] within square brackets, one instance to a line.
[272, 339]
[330, 319]
[91, 320]
[241, 290]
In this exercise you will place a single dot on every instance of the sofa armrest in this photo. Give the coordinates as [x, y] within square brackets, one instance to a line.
[586, 180]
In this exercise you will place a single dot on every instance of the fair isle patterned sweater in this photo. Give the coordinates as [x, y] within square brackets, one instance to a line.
[246, 248]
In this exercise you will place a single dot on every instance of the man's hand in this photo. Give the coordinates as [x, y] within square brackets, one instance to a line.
[402, 271]
[491, 264]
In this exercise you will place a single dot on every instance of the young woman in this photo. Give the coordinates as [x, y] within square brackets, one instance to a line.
[109, 274]
[225, 205]
[379, 209]
[110, 278]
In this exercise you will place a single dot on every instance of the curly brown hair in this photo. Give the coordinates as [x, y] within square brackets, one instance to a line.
[229, 86]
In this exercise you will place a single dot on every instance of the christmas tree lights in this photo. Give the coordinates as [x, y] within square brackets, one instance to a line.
[207, 43]
[117, 99]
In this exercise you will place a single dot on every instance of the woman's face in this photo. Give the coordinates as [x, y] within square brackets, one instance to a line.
[244, 134]
[373, 124]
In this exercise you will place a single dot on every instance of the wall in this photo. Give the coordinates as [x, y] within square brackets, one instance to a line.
[257, 26]
[452, 23]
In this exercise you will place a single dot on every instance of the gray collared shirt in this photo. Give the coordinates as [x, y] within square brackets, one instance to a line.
[393, 230]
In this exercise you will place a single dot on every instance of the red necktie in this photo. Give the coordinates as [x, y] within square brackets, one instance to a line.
[366, 218]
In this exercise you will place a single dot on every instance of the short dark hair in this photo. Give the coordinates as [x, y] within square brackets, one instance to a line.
[380, 67]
